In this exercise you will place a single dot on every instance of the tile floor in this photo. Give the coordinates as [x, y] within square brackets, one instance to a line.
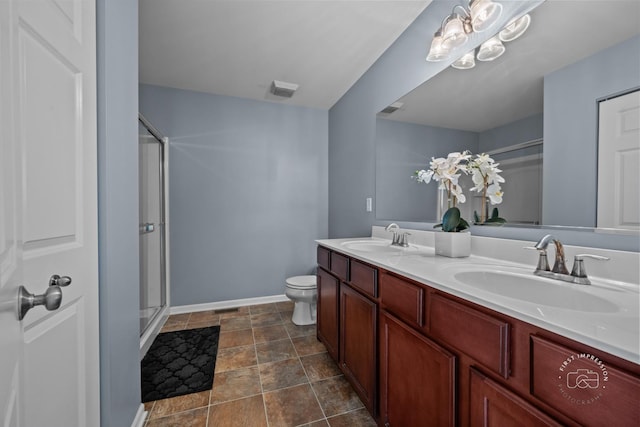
[269, 372]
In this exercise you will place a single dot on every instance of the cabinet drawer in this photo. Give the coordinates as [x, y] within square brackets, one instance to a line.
[484, 338]
[340, 266]
[323, 257]
[403, 298]
[364, 278]
[582, 386]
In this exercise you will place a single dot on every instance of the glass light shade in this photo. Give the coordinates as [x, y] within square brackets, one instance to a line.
[515, 28]
[491, 49]
[466, 62]
[437, 52]
[484, 14]
[453, 34]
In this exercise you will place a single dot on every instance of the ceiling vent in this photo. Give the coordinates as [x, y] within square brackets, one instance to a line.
[392, 108]
[283, 89]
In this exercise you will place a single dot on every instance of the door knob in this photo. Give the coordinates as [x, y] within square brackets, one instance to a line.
[51, 298]
[56, 280]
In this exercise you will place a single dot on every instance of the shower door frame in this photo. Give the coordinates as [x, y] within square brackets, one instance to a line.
[153, 329]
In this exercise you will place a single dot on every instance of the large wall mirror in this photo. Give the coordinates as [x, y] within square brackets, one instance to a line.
[534, 109]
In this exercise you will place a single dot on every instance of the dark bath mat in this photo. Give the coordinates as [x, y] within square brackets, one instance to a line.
[180, 362]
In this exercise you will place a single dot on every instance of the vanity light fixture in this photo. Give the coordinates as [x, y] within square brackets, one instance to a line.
[515, 28]
[483, 14]
[478, 17]
[494, 47]
[437, 51]
[454, 31]
[491, 49]
[466, 61]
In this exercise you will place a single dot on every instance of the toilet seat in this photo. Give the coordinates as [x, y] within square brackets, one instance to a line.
[301, 282]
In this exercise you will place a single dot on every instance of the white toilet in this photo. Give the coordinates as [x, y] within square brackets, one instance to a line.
[303, 292]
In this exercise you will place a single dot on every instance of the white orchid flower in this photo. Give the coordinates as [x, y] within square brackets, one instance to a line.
[478, 180]
[447, 171]
[456, 190]
[424, 176]
[494, 192]
[484, 172]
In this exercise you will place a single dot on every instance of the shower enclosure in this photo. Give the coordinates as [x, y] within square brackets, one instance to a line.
[153, 234]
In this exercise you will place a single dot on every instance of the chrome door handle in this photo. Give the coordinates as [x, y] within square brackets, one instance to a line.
[56, 280]
[51, 298]
[148, 227]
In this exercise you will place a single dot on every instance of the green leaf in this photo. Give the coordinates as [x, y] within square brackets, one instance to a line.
[476, 217]
[494, 213]
[462, 225]
[438, 225]
[451, 219]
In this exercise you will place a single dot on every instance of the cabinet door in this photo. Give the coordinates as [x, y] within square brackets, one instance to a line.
[491, 405]
[358, 319]
[582, 386]
[327, 319]
[417, 378]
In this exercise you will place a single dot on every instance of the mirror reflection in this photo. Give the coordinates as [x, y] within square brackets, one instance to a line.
[534, 109]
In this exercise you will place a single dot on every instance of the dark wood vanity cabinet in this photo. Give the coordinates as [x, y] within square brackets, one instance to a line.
[418, 356]
[417, 378]
[358, 326]
[328, 288]
[347, 320]
[492, 405]
[582, 384]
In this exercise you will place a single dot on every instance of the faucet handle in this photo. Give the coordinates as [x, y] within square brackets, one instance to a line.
[578, 269]
[543, 263]
[403, 240]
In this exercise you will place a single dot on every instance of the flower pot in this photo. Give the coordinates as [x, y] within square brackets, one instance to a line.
[453, 245]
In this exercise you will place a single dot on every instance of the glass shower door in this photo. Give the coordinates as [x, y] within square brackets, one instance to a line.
[152, 230]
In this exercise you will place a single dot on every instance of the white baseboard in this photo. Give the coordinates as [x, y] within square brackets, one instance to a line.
[141, 416]
[228, 304]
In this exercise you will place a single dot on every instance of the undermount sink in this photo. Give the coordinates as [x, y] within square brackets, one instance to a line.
[371, 246]
[535, 290]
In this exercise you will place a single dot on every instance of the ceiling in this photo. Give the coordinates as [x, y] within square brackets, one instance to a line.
[238, 47]
[511, 87]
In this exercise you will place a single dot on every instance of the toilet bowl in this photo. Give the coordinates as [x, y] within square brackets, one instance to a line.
[303, 292]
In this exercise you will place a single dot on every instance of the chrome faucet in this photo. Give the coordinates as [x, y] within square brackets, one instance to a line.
[559, 271]
[399, 239]
[559, 265]
[393, 228]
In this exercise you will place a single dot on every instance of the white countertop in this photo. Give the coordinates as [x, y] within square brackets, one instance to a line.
[614, 331]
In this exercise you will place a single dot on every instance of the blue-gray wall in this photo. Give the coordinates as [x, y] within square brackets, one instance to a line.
[352, 120]
[571, 129]
[117, 62]
[403, 148]
[523, 130]
[248, 192]
[352, 123]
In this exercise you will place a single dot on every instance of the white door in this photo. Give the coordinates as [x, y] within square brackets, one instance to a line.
[618, 160]
[49, 362]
